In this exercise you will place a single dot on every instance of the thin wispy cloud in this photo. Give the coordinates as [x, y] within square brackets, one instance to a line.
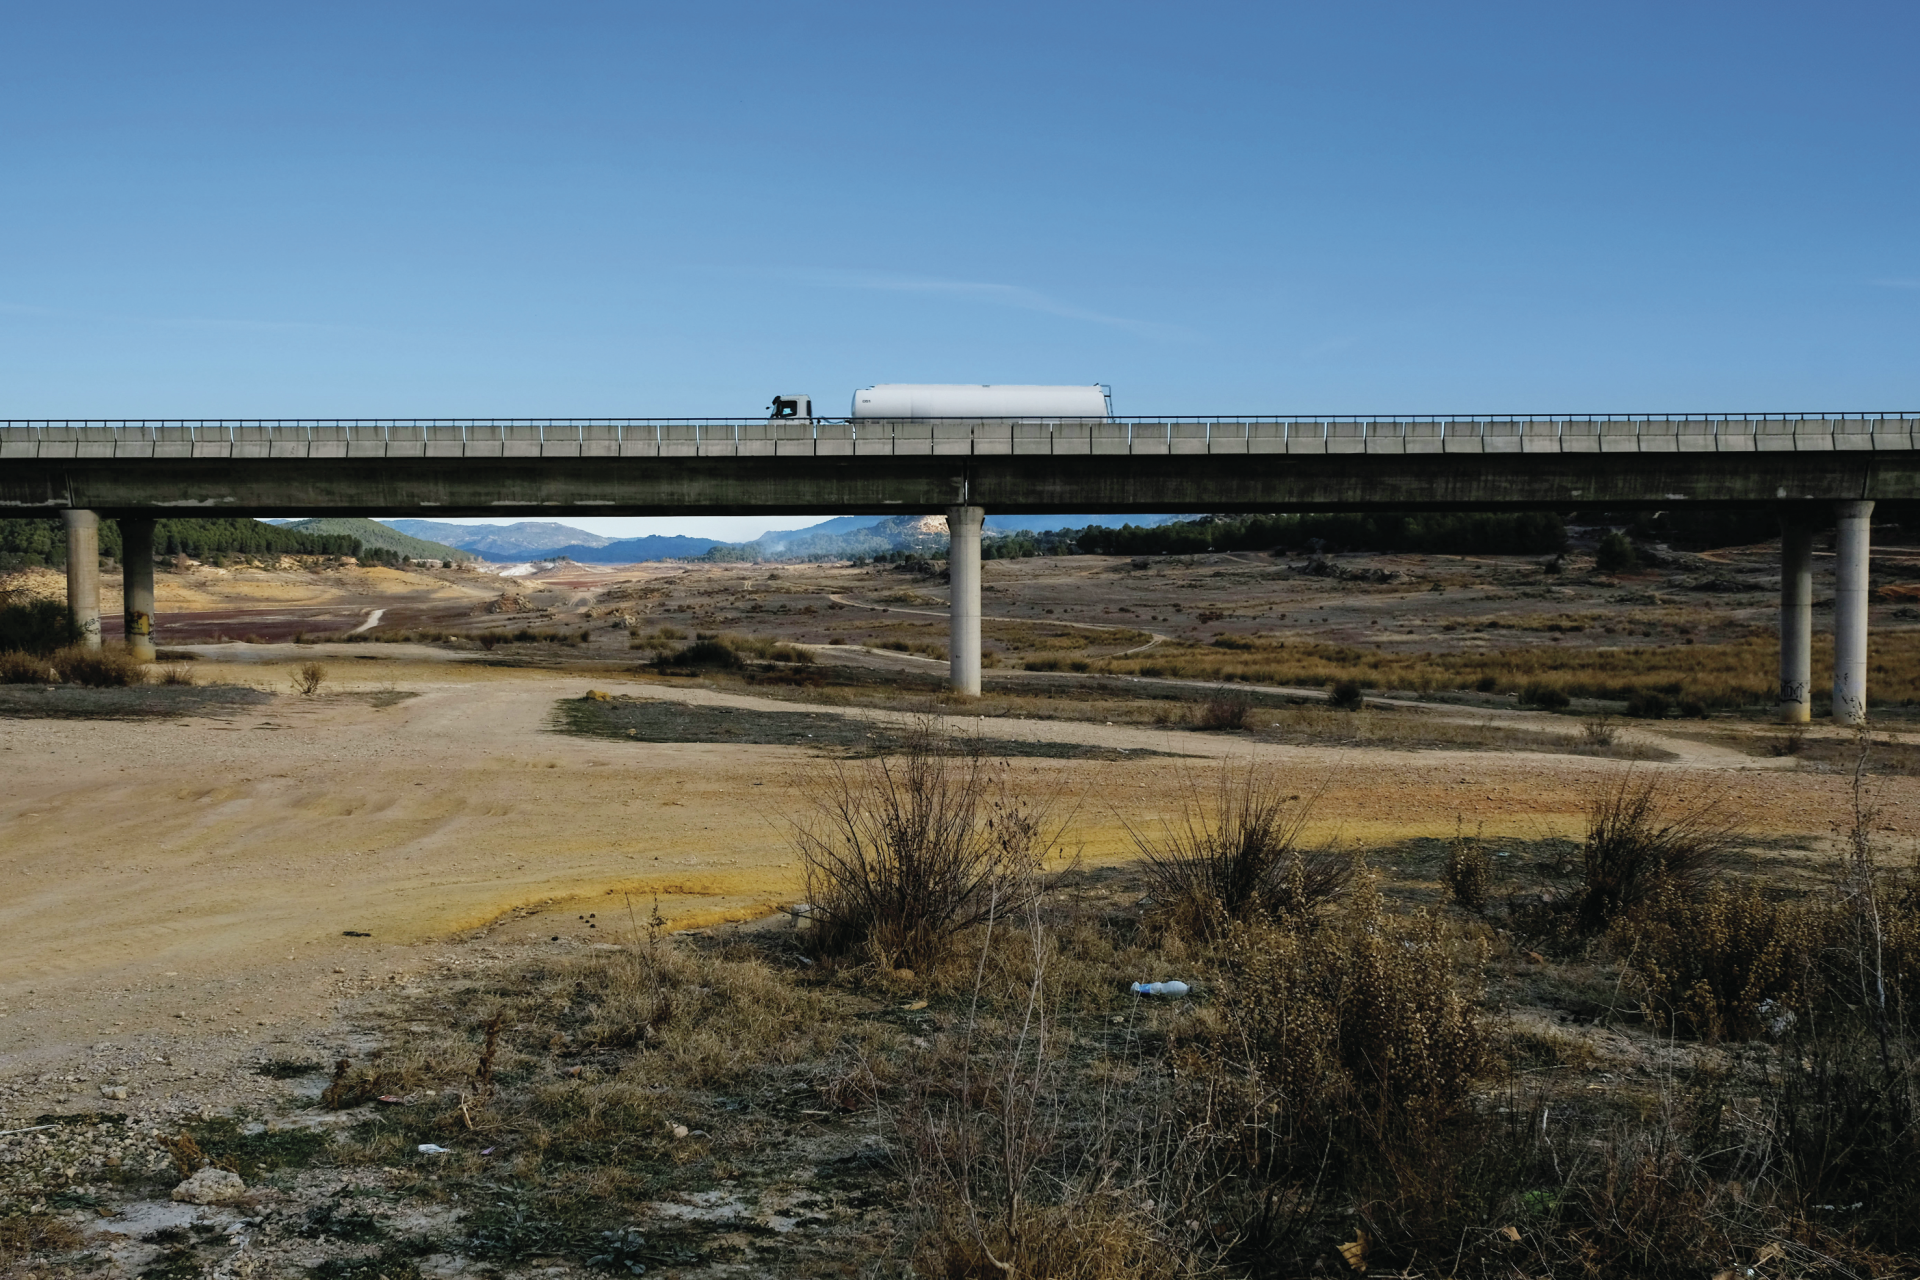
[183, 322]
[1000, 295]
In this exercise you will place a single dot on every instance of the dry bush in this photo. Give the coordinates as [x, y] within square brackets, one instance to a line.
[308, 679]
[1642, 831]
[176, 673]
[1226, 710]
[1366, 1010]
[1235, 855]
[1721, 961]
[24, 668]
[1333, 1080]
[903, 852]
[1468, 871]
[1346, 695]
[724, 649]
[1599, 731]
[108, 667]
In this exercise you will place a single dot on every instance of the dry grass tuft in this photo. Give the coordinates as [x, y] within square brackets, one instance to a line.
[1235, 855]
[1641, 831]
[902, 853]
[1468, 871]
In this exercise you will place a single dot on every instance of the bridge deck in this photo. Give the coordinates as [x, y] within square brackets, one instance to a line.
[956, 437]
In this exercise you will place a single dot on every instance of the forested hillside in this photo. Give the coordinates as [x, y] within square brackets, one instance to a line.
[43, 540]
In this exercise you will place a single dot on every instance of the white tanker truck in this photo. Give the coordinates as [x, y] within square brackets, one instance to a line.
[961, 400]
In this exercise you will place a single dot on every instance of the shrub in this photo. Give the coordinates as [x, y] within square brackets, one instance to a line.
[177, 673]
[1616, 554]
[708, 651]
[103, 668]
[1544, 696]
[1468, 872]
[1720, 961]
[1599, 731]
[1225, 710]
[1368, 1012]
[36, 626]
[1235, 855]
[1641, 833]
[1648, 704]
[24, 668]
[1346, 696]
[902, 853]
[308, 679]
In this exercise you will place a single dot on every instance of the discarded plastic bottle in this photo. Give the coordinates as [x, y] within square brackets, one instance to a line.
[1160, 988]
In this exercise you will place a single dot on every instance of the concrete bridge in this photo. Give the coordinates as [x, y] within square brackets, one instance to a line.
[1810, 467]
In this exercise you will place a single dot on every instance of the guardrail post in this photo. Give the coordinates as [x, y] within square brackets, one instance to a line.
[1851, 552]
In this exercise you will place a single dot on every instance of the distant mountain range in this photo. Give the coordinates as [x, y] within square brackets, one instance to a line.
[502, 541]
[842, 535]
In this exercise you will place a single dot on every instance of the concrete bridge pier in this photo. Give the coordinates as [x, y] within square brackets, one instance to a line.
[963, 576]
[83, 573]
[136, 593]
[1796, 620]
[1850, 598]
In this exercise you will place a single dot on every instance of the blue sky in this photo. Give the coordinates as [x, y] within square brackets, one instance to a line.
[629, 209]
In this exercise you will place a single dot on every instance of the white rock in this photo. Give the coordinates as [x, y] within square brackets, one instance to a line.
[211, 1186]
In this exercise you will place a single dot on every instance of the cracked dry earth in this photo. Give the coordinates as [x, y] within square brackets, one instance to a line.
[203, 914]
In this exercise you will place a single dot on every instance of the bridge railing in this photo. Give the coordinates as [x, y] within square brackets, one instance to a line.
[760, 437]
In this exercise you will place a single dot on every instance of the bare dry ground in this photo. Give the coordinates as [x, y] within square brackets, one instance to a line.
[195, 897]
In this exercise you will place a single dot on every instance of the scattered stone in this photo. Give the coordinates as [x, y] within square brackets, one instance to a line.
[114, 1092]
[211, 1186]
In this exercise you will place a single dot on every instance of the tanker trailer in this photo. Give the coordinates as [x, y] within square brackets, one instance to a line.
[967, 400]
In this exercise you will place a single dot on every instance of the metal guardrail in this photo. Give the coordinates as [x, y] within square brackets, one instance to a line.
[761, 437]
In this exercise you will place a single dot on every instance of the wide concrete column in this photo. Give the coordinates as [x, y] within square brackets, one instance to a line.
[1796, 620]
[136, 592]
[83, 573]
[1850, 545]
[963, 575]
